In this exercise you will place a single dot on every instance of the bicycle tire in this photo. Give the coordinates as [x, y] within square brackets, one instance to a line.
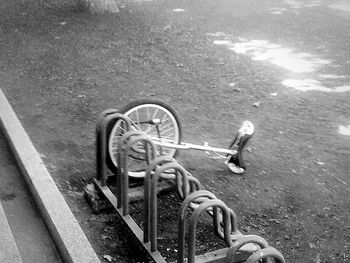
[159, 107]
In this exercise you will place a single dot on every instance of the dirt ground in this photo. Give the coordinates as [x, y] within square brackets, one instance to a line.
[60, 66]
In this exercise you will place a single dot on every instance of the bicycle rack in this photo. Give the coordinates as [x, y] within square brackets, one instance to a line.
[158, 161]
[125, 145]
[118, 201]
[182, 186]
[234, 251]
[240, 248]
[265, 253]
[105, 118]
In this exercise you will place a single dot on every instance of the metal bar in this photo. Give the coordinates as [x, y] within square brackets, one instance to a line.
[121, 158]
[218, 221]
[233, 252]
[193, 225]
[112, 117]
[134, 229]
[218, 256]
[181, 222]
[99, 145]
[188, 146]
[125, 180]
[179, 171]
[264, 253]
[147, 185]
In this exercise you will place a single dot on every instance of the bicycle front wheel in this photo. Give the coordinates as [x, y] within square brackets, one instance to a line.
[157, 120]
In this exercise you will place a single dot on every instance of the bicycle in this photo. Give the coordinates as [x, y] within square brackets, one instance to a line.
[157, 120]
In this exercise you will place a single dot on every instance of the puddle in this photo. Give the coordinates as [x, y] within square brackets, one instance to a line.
[302, 4]
[136, 1]
[294, 5]
[330, 76]
[179, 10]
[342, 6]
[344, 130]
[277, 10]
[312, 84]
[287, 58]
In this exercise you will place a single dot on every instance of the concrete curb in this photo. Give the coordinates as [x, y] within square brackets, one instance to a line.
[9, 252]
[69, 238]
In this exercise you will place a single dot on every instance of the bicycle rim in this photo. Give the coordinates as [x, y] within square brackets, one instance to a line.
[142, 118]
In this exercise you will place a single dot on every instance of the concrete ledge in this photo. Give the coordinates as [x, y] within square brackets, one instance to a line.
[9, 252]
[69, 238]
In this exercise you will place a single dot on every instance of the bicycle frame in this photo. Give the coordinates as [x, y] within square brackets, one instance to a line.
[247, 128]
[161, 124]
[191, 146]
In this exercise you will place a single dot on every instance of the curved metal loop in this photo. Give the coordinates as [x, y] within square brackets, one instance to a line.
[218, 224]
[121, 159]
[265, 253]
[231, 254]
[146, 140]
[203, 195]
[121, 147]
[160, 160]
[195, 184]
[103, 115]
[127, 136]
[181, 174]
[101, 140]
[121, 155]
[124, 164]
[215, 203]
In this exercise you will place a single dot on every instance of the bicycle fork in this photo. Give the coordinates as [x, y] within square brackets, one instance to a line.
[235, 161]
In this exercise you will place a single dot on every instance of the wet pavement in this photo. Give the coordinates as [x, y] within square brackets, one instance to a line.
[31, 236]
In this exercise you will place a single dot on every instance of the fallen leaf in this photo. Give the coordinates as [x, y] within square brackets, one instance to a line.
[256, 104]
[167, 27]
[108, 258]
[64, 23]
[275, 220]
[320, 163]
[312, 245]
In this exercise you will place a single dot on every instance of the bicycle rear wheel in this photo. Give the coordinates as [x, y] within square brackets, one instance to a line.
[157, 120]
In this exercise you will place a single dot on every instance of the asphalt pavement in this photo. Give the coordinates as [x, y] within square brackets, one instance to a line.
[284, 65]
